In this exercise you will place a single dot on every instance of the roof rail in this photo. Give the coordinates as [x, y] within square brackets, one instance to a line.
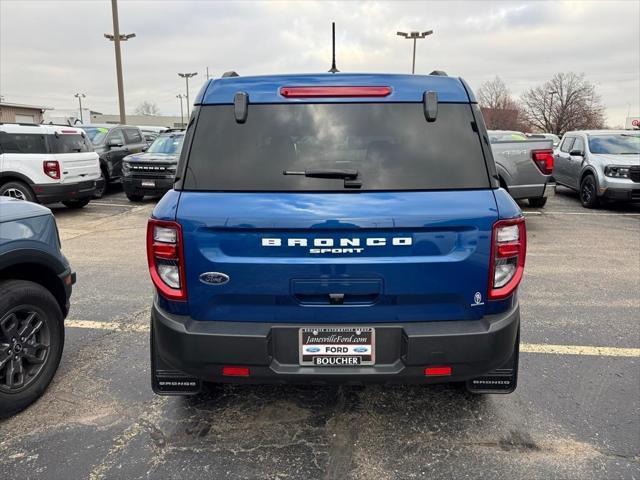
[21, 124]
[440, 73]
[230, 73]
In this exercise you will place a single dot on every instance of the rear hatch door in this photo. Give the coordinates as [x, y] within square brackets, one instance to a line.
[73, 151]
[315, 258]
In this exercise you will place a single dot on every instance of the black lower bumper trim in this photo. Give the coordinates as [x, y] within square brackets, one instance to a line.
[622, 194]
[201, 349]
[63, 192]
[133, 186]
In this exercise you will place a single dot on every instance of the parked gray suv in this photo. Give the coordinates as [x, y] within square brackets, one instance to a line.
[600, 165]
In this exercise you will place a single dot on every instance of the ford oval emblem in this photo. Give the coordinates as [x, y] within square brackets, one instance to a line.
[214, 278]
[313, 349]
[361, 349]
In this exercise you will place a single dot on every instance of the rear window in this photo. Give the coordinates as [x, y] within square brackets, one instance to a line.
[69, 143]
[390, 145]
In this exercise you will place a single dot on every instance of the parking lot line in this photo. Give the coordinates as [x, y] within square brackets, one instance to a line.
[587, 350]
[101, 204]
[596, 214]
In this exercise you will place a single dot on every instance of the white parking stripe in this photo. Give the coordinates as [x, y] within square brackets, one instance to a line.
[112, 204]
[524, 347]
[596, 214]
[580, 350]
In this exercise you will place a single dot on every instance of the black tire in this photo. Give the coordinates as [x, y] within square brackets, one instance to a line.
[133, 197]
[589, 192]
[102, 184]
[17, 189]
[537, 202]
[27, 305]
[81, 203]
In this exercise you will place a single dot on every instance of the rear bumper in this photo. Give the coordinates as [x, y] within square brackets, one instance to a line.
[532, 191]
[46, 193]
[133, 185]
[403, 350]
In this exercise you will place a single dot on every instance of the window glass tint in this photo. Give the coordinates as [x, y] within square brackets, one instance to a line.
[116, 135]
[132, 135]
[69, 143]
[566, 144]
[168, 144]
[578, 144]
[615, 144]
[97, 135]
[391, 145]
[23, 143]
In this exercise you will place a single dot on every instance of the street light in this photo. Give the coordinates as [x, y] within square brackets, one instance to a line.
[116, 38]
[80, 96]
[186, 77]
[180, 96]
[414, 36]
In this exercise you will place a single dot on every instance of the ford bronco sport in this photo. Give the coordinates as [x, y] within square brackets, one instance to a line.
[336, 228]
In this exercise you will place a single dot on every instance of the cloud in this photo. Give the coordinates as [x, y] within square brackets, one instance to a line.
[50, 50]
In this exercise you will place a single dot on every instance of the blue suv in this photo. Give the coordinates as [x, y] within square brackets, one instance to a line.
[336, 228]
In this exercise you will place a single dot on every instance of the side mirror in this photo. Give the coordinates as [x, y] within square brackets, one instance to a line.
[114, 143]
[145, 148]
[576, 153]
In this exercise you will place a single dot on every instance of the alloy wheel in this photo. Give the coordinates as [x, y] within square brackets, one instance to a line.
[15, 193]
[24, 347]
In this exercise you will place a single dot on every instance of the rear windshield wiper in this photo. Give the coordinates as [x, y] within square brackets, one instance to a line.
[349, 176]
[326, 173]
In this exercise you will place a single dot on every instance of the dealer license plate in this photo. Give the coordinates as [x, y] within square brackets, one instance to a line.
[337, 346]
[148, 183]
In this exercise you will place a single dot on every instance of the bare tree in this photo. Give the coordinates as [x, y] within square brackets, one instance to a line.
[499, 109]
[147, 108]
[566, 102]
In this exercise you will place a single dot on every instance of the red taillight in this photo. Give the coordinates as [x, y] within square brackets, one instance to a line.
[544, 160]
[51, 169]
[69, 131]
[235, 371]
[166, 258]
[437, 371]
[335, 91]
[508, 251]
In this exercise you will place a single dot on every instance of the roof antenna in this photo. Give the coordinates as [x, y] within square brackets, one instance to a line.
[334, 69]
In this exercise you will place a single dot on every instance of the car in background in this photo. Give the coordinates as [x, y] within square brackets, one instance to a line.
[150, 133]
[112, 143]
[35, 285]
[600, 165]
[153, 172]
[524, 165]
[549, 136]
[47, 164]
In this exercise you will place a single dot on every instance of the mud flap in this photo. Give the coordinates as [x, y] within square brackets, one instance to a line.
[167, 381]
[501, 380]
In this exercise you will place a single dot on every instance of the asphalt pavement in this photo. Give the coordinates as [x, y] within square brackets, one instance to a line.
[575, 414]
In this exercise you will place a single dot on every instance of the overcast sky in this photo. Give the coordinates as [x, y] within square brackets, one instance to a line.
[51, 49]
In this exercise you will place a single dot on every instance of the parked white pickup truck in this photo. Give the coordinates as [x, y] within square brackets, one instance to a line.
[524, 165]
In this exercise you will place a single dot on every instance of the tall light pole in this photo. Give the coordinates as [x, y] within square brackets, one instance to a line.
[80, 96]
[116, 38]
[186, 77]
[414, 36]
[180, 96]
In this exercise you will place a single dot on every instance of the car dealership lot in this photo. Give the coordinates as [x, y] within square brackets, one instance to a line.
[574, 415]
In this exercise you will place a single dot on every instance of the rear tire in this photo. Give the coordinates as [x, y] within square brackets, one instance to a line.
[589, 192]
[104, 181]
[537, 202]
[34, 358]
[134, 198]
[19, 190]
[74, 204]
